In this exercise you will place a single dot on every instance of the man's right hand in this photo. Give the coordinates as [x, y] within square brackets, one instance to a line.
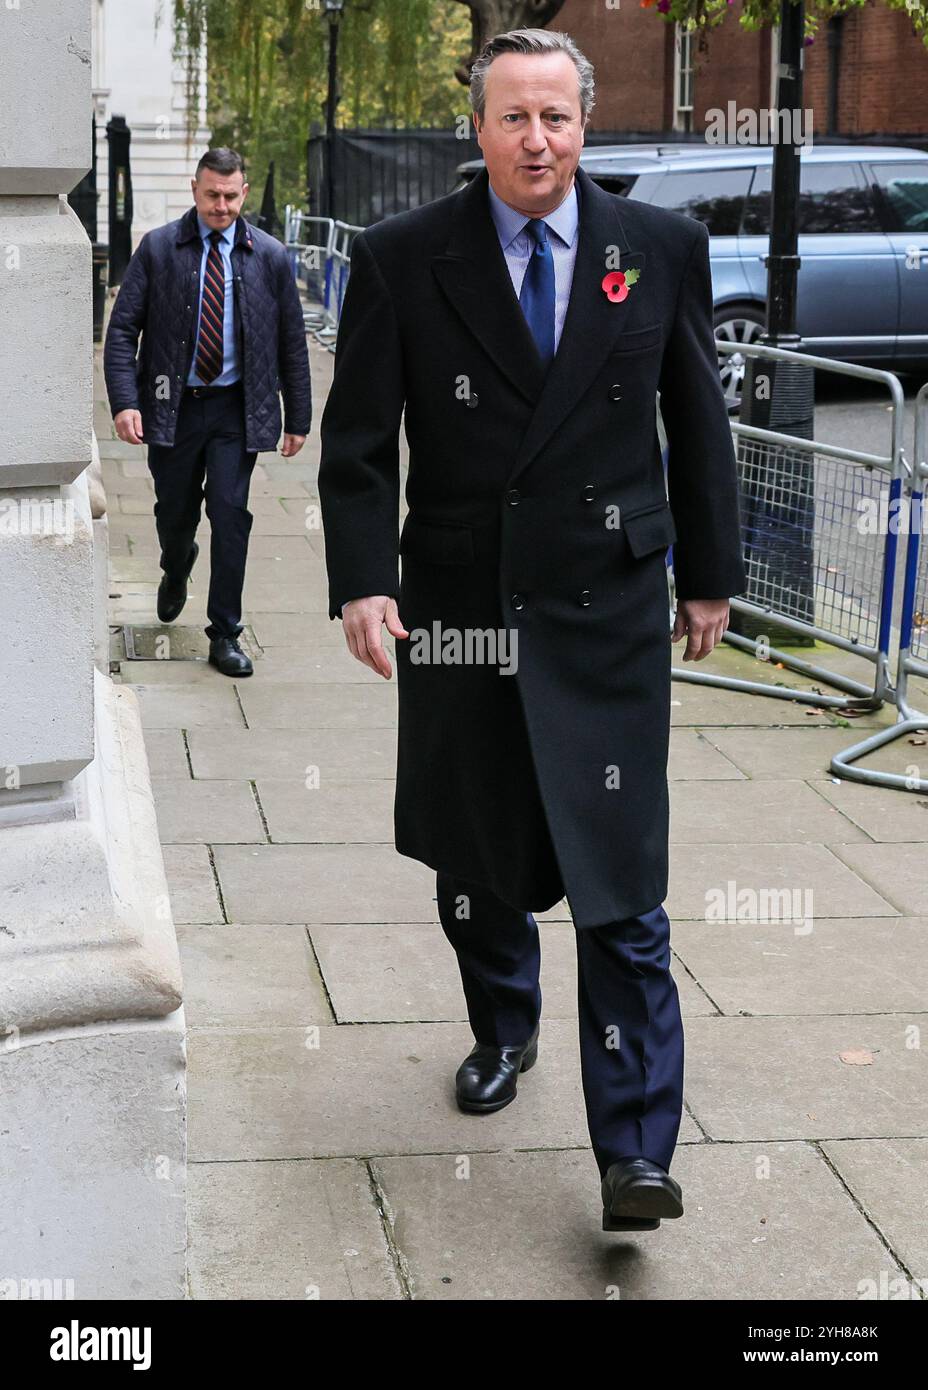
[362, 619]
[129, 426]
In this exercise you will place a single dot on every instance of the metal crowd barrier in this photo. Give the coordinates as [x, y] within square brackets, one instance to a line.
[321, 248]
[913, 629]
[801, 500]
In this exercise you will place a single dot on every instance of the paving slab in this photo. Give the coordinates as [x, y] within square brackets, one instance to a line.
[708, 707]
[287, 1231]
[191, 884]
[324, 883]
[784, 1078]
[889, 1178]
[744, 812]
[180, 706]
[369, 1089]
[760, 1223]
[185, 670]
[216, 812]
[294, 630]
[336, 811]
[279, 488]
[700, 873]
[248, 976]
[388, 973]
[896, 871]
[327, 664]
[130, 503]
[291, 753]
[853, 965]
[770, 754]
[693, 757]
[167, 753]
[884, 814]
[314, 705]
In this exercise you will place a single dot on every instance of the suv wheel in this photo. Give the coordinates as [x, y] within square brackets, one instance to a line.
[736, 323]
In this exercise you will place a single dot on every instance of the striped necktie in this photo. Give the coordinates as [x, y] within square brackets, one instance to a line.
[537, 293]
[209, 343]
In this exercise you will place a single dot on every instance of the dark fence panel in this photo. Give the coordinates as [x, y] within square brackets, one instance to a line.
[381, 172]
[377, 173]
[119, 137]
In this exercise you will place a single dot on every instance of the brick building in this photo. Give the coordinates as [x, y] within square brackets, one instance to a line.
[866, 73]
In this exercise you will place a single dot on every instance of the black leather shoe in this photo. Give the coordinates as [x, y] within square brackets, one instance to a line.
[172, 593]
[227, 655]
[486, 1079]
[637, 1195]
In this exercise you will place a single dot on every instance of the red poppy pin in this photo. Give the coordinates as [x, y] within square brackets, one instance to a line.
[617, 284]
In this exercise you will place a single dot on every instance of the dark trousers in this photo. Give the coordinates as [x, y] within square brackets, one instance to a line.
[631, 1032]
[208, 459]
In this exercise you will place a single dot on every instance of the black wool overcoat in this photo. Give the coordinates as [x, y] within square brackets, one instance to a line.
[538, 517]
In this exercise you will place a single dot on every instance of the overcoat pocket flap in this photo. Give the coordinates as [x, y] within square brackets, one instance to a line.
[637, 340]
[437, 542]
[650, 530]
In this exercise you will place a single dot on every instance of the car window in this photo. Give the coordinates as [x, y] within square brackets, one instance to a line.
[616, 183]
[832, 198]
[712, 196]
[905, 189]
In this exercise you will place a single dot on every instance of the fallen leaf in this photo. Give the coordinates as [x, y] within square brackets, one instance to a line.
[856, 1057]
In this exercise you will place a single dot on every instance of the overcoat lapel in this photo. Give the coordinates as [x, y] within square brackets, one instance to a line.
[474, 276]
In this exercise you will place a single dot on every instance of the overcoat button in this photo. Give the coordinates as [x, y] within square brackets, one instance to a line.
[518, 601]
[472, 400]
[589, 493]
[513, 496]
[615, 392]
[586, 598]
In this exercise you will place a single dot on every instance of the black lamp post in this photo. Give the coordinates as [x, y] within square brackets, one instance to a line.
[778, 492]
[333, 12]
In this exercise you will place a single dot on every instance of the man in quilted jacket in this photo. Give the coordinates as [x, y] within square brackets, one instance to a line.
[222, 336]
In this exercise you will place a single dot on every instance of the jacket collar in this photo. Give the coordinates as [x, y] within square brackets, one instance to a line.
[189, 230]
[473, 274]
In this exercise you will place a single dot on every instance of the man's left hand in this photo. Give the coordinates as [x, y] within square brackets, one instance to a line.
[702, 621]
[292, 444]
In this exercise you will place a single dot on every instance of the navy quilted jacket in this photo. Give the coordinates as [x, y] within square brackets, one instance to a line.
[158, 299]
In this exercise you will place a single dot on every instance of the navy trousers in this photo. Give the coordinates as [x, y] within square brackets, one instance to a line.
[208, 459]
[631, 1032]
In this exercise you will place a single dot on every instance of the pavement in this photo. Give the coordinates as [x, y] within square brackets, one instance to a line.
[327, 1158]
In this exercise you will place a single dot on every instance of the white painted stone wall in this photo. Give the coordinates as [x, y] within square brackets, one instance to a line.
[92, 1102]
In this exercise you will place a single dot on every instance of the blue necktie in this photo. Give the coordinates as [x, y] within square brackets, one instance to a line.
[537, 293]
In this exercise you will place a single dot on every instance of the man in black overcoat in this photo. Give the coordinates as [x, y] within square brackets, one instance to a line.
[526, 324]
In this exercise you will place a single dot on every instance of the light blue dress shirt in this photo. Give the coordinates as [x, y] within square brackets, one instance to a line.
[229, 371]
[518, 244]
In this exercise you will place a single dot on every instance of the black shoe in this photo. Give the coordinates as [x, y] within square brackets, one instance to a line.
[226, 653]
[637, 1194]
[486, 1079]
[172, 593]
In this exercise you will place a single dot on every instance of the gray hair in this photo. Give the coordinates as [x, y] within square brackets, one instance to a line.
[530, 41]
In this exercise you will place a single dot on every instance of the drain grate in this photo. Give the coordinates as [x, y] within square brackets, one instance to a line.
[158, 643]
